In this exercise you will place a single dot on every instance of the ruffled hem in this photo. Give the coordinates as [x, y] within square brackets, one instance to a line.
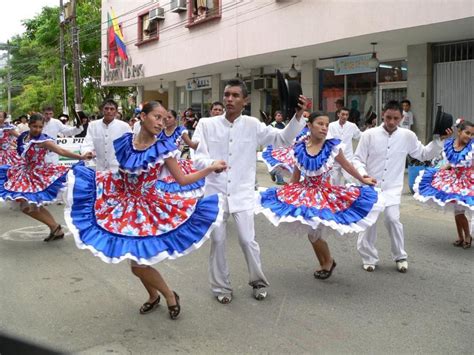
[136, 161]
[353, 220]
[193, 190]
[51, 194]
[436, 198]
[273, 163]
[114, 248]
[314, 165]
[461, 158]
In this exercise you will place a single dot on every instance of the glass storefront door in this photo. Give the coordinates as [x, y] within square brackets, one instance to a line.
[391, 91]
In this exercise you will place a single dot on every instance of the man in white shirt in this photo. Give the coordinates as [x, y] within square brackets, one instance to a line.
[345, 131]
[407, 115]
[101, 135]
[382, 153]
[53, 127]
[234, 138]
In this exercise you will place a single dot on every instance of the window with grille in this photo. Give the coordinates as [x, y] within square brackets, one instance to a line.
[453, 52]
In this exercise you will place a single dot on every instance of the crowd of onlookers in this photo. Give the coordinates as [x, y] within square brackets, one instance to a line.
[189, 117]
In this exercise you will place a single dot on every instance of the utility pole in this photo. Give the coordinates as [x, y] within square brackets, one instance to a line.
[62, 24]
[75, 59]
[9, 80]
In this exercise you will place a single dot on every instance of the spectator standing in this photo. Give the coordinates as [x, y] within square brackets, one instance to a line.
[345, 131]
[23, 125]
[217, 109]
[53, 128]
[407, 116]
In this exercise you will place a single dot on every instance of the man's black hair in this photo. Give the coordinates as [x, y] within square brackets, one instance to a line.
[393, 105]
[240, 83]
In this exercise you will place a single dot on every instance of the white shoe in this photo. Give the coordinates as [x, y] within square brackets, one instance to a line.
[369, 267]
[402, 266]
[260, 292]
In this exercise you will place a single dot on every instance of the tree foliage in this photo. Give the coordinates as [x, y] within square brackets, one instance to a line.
[35, 62]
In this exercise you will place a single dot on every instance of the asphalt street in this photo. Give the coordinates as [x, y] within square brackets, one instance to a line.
[63, 298]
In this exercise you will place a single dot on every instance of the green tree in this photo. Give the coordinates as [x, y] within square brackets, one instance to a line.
[36, 66]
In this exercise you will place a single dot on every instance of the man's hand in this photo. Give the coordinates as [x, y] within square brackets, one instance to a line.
[219, 166]
[446, 134]
[369, 180]
[303, 105]
[88, 156]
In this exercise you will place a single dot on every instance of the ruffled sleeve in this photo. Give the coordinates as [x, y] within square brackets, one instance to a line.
[7, 127]
[462, 158]
[135, 161]
[313, 165]
[23, 147]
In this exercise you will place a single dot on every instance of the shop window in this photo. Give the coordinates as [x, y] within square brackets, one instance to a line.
[331, 89]
[393, 71]
[148, 26]
[361, 96]
[200, 11]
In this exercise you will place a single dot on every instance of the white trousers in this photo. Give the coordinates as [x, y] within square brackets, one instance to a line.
[367, 239]
[218, 268]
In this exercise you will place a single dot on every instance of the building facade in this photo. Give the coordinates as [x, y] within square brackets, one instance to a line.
[362, 52]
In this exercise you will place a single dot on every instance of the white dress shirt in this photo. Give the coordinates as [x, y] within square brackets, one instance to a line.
[383, 155]
[407, 120]
[99, 140]
[346, 133]
[52, 128]
[236, 143]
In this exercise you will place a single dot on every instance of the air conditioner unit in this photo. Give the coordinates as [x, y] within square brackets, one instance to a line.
[271, 83]
[264, 83]
[259, 83]
[156, 14]
[178, 5]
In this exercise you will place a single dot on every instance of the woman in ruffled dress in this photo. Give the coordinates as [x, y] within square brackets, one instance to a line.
[122, 215]
[32, 182]
[452, 185]
[8, 136]
[178, 135]
[314, 201]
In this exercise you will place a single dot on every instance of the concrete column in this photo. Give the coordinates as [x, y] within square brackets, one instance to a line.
[172, 99]
[256, 102]
[310, 81]
[216, 88]
[419, 92]
[140, 94]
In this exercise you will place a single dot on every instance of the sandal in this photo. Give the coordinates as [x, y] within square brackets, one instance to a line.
[147, 307]
[224, 299]
[176, 309]
[467, 244]
[325, 274]
[53, 236]
[458, 243]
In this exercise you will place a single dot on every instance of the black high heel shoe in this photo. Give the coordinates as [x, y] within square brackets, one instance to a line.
[175, 310]
[53, 235]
